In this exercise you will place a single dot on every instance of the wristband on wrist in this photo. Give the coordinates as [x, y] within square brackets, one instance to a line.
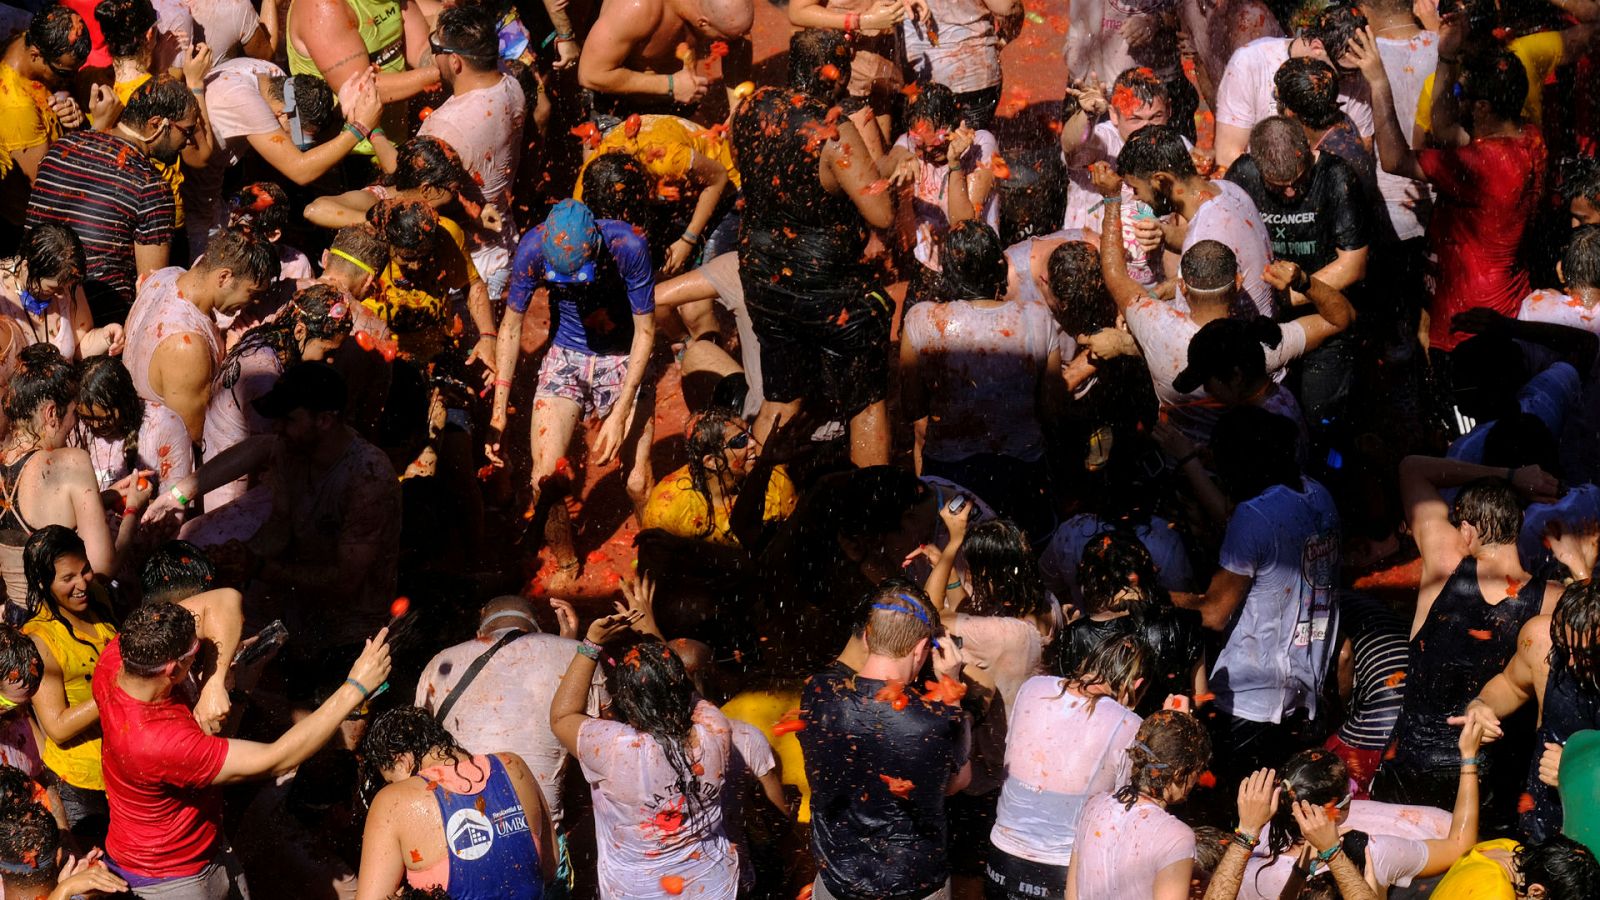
[954, 585]
[691, 238]
[1471, 761]
[590, 649]
[501, 382]
[360, 687]
[378, 129]
[670, 92]
[852, 21]
[1302, 282]
[198, 91]
[1331, 852]
[178, 496]
[356, 130]
[565, 36]
[1187, 458]
[484, 334]
[1248, 840]
[1511, 474]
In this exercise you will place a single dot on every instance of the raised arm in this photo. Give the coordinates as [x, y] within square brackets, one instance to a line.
[1113, 257]
[844, 160]
[1444, 116]
[219, 621]
[305, 166]
[328, 33]
[567, 708]
[1394, 151]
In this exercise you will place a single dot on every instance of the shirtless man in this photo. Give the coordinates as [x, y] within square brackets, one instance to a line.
[337, 39]
[174, 345]
[632, 58]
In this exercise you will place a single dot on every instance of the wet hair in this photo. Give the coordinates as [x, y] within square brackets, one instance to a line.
[162, 97]
[1208, 266]
[261, 206]
[39, 556]
[1210, 845]
[104, 382]
[1083, 303]
[125, 24]
[154, 635]
[1335, 26]
[16, 786]
[473, 33]
[1580, 265]
[936, 104]
[1280, 149]
[1156, 149]
[1492, 506]
[1171, 748]
[1575, 632]
[19, 659]
[1498, 79]
[431, 163]
[313, 100]
[54, 251]
[810, 50]
[1003, 579]
[1309, 88]
[42, 376]
[57, 32]
[1254, 450]
[973, 261]
[407, 730]
[1579, 176]
[29, 843]
[405, 224]
[362, 242]
[322, 308]
[1316, 776]
[1114, 664]
[616, 186]
[1566, 869]
[1114, 563]
[1136, 87]
[898, 617]
[176, 571]
[651, 692]
[708, 437]
[248, 256]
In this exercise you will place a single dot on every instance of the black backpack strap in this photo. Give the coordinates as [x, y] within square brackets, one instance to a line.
[472, 673]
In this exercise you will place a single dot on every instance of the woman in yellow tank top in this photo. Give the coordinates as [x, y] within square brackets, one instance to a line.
[71, 625]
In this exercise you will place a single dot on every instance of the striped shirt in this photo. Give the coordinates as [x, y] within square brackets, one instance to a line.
[1382, 656]
[111, 194]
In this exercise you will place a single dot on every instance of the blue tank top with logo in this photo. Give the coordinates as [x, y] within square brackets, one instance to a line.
[492, 854]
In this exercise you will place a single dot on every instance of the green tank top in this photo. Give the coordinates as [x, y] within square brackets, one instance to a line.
[383, 32]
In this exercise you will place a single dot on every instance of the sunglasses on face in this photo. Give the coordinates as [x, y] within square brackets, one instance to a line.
[738, 441]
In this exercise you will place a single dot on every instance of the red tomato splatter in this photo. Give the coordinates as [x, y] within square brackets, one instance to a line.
[900, 787]
[672, 884]
[1482, 634]
[1208, 780]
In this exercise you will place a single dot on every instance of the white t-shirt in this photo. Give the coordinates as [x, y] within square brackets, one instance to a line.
[236, 110]
[1163, 331]
[1556, 308]
[507, 707]
[1085, 214]
[1393, 861]
[1420, 823]
[1231, 218]
[1284, 634]
[981, 368]
[1119, 850]
[1045, 788]
[1095, 42]
[485, 127]
[966, 57]
[645, 828]
[1058, 564]
[1246, 94]
[929, 206]
[1408, 63]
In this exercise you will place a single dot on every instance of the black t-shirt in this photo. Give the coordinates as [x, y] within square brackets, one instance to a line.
[878, 778]
[1328, 216]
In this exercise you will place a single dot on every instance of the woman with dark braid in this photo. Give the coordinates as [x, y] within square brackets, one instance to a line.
[1128, 845]
[655, 768]
[309, 329]
[474, 826]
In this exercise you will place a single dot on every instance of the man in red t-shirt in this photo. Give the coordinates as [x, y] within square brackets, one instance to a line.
[1487, 167]
[163, 773]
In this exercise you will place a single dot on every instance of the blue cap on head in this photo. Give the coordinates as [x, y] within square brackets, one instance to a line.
[571, 239]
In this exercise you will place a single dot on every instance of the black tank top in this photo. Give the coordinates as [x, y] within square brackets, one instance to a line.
[1464, 642]
[14, 530]
[1569, 707]
[795, 237]
[1174, 634]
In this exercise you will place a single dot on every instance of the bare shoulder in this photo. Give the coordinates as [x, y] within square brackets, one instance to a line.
[633, 17]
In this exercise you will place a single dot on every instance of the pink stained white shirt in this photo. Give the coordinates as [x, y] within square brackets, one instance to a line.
[645, 828]
[160, 312]
[485, 128]
[1005, 652]
[1048, 784]
[1408, 63]
[236, 109]
[929, 205]
[1231, 218]
[1393, 862]
[162, 446]
[1120, 850]
[966, 55]
[1556, 308]
[1246, 94]
[231, 417]
[1085, 212]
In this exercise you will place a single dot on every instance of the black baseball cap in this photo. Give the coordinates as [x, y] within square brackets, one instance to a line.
[1220, 348]
[312, 386]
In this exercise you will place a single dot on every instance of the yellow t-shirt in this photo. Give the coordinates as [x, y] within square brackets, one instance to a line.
[765, 710]
[173, 174]
[1540, 53]
[421, 314]
[78, 762]
[26, 119]
[665, 146]
[677, 508]
[1477, 877]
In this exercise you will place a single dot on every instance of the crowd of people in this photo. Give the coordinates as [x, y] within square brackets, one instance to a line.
[1024, 503]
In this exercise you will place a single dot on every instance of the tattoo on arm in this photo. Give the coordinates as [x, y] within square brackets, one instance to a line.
[361, 54]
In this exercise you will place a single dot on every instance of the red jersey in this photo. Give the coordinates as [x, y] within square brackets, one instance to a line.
[1488, 192]
[166, 819]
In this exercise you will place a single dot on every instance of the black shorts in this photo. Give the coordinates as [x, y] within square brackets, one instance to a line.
[838, 359]
[1011, 878]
